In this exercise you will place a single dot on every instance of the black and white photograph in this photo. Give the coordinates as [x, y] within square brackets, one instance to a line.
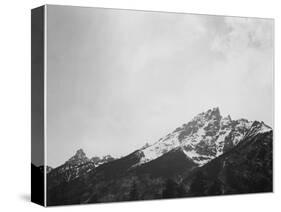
[140, 106]
[146, 105]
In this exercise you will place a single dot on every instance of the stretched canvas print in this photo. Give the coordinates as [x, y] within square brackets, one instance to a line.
[140, 105]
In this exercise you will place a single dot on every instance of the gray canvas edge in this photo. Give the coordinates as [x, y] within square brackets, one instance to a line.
[37, 106]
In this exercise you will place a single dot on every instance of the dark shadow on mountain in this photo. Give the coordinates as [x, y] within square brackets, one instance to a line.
[242, 165]
[247, 168]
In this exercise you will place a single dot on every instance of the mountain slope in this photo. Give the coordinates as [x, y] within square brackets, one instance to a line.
[210, 155]
[247, 168]
[204, 138]
[172, 164]
[77, 166]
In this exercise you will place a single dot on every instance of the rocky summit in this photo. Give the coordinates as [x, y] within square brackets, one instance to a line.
[209, 155]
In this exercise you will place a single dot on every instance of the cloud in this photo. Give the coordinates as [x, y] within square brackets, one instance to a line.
[117, 79]
[239, 34]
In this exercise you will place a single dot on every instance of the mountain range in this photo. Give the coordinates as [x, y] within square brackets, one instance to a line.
[76, 166]
[209, 155]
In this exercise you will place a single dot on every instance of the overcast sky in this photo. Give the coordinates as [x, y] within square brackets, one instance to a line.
[118, 79]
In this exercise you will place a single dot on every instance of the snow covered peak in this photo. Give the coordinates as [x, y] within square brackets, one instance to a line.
[214, 112]
[79, 158]
[205, 137]
[258, 128]
[76, 166]
[209, 114]
[80, 153]
[226, 120]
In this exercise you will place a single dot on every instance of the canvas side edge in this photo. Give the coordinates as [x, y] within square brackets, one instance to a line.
[37, 107]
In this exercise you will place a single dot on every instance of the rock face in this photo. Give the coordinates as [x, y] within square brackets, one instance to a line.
[77, 166]
[207, 136]
[101, 160]
[210, 155]
[78, 159]
[247, 168]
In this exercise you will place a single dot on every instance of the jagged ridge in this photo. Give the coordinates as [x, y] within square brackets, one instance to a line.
[207, 136]
[209, 155]
[76, 166]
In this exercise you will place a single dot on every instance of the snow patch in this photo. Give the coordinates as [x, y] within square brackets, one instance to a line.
[159, 148]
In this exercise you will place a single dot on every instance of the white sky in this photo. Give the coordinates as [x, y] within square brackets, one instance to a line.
[118, 79]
